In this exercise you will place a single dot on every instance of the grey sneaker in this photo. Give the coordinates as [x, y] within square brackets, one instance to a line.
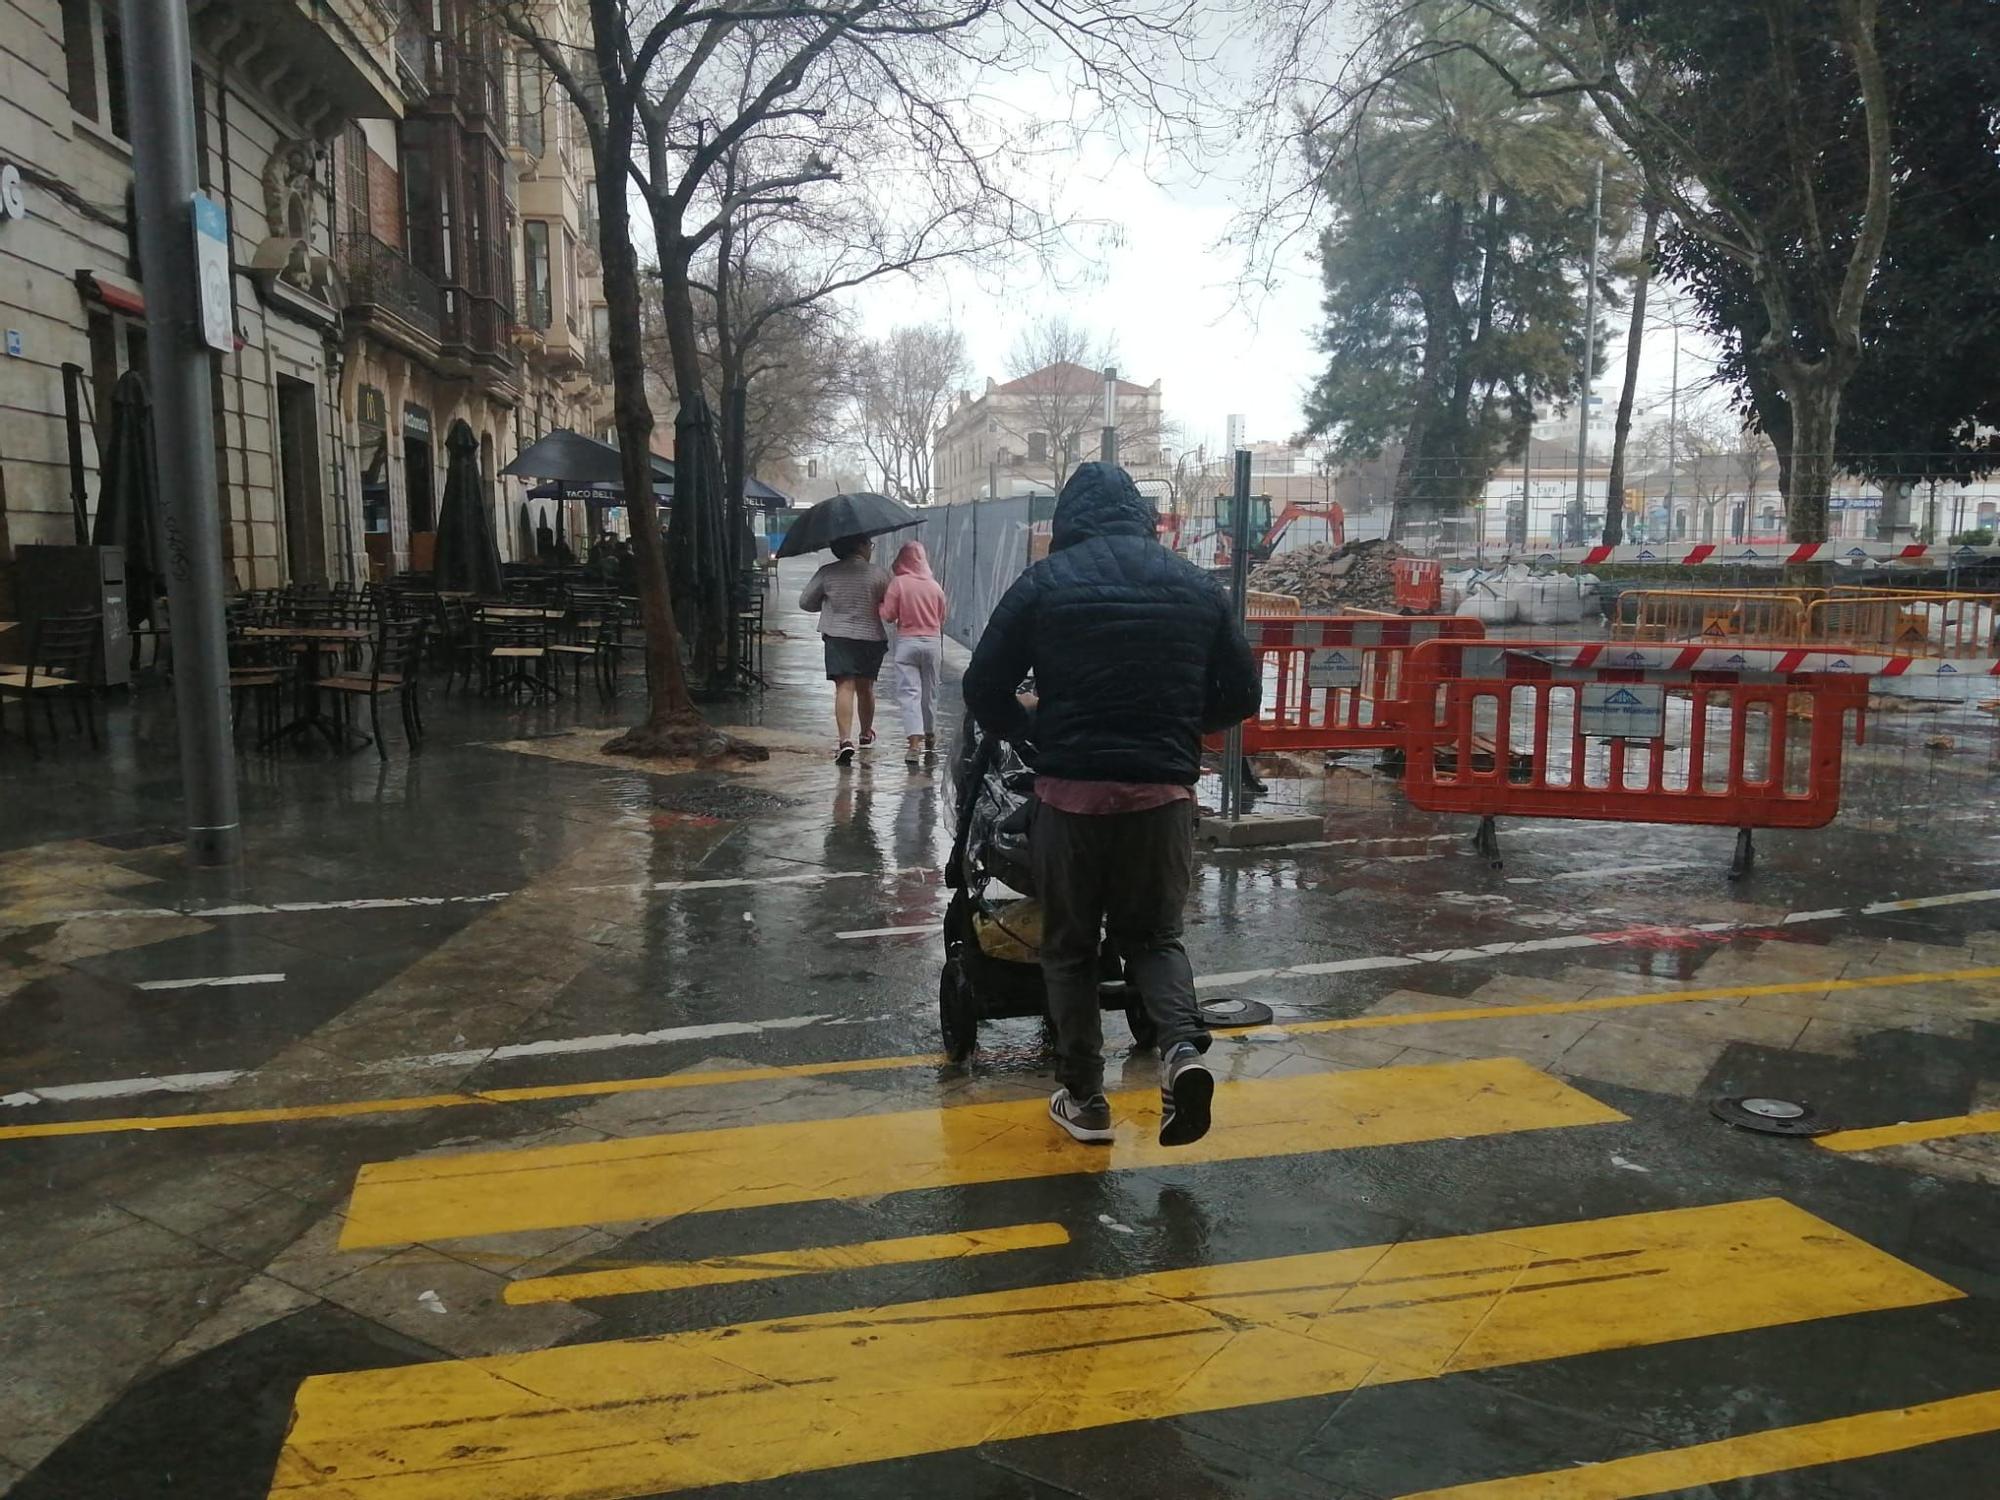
[1087, 1120]
[1186, 1089]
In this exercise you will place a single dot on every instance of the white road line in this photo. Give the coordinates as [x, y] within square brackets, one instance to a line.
[1580, 940]
[391, 903]
[125, 1088]
[212, 982]
[878, 932]
[194, 1082]
[1606, 871]
[608, 1042]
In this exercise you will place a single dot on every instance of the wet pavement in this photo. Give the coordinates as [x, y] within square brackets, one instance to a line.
[520, 1123]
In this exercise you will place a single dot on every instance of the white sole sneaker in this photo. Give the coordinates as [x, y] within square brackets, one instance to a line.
[1060, 1107]
[1185, 1098]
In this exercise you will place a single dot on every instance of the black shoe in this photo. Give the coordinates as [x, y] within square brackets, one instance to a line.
[844, 756]
[1088, 1121]
[910, 762]
[1186, 1089]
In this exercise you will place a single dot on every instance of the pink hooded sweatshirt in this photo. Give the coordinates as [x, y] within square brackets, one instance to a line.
[914, 603]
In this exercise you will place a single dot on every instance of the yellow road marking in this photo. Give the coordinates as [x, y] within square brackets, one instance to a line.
[1911, 1131]
[1746, 1457]
[765, 1265]
[360, 1108]
[644, 1416]
[1498, 1012]
[431, 1198]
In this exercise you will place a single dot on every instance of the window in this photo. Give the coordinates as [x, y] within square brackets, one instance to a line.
[80, 51]
[535, 247]
[371, 444]
[1038, 447]
[569, 287]
[94, 54]
[533, 92]
[354, 180]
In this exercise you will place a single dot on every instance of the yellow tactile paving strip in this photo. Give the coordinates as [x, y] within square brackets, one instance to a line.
[1756, 1453]
[765, 1265]
[651, 1415]
[435, 1198]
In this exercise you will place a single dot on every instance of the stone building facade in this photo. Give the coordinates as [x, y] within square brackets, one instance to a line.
[1023, 436]
[379, 162]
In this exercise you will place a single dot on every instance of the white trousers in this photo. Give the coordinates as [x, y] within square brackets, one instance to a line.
[917, 659]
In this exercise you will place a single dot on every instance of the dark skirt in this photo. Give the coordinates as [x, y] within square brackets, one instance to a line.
[847, 657]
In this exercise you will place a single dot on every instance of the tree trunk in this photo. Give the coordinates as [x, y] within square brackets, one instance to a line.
[673, 725]
[1814, 397]
[1893, 523]
[1614, 488]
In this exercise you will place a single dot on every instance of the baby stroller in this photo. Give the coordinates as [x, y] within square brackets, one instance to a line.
[992, 938]
[992, 960]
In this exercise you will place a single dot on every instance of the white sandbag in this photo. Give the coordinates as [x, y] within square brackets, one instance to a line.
[1490, 599]
[1552, 599]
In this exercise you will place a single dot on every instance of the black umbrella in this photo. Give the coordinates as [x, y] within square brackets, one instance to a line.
[128, 501]
[467, 558]
[861, 514]
[525, 542]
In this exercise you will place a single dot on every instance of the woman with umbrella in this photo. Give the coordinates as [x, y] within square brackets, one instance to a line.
[846, 594]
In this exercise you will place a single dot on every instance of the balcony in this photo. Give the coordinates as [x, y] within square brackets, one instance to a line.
[464, 73]
[380, 279]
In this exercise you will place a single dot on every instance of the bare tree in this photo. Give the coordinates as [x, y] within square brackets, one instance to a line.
[903, 386]
[798, 95]
[1056, 400]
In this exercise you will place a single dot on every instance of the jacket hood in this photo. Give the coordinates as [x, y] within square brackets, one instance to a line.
[1100, 500]
[912, 561]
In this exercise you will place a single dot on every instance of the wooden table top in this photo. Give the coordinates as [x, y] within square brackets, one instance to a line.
[520, 612]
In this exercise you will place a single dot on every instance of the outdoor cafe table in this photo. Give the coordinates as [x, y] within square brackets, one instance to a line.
[313, 641]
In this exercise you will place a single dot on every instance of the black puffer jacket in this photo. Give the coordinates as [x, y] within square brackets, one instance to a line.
[1135, 652]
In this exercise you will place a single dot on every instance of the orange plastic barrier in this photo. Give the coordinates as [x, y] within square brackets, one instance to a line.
[1338, 682]
[1419, 584]
[1513, 730]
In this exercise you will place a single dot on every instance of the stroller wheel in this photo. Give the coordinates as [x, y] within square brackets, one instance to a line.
[958, 1018]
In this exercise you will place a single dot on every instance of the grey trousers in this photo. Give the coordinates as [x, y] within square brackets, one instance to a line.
[917, 658]
[1128, 874]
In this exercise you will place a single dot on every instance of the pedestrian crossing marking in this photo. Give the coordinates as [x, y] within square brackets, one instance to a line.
[1755, 1453]
[647, 1416]
[1911, 1132]
[719, 1270]
[432, 1198]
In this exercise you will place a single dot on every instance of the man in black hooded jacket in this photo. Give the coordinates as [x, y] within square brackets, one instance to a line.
[1136, 655]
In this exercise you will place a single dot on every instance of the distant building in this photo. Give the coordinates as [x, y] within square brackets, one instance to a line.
[1025, 436]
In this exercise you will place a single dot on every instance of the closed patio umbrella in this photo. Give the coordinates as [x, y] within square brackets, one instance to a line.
[128, 501]
[467, 558]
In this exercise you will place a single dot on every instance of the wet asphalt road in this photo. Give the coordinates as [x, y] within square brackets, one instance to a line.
[505, 913]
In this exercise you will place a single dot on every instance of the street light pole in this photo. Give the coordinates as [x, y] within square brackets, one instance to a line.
[157, 84]
[1577, 525]
[1108, 448]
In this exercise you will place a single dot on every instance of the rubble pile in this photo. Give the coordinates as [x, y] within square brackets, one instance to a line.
[1356, 575]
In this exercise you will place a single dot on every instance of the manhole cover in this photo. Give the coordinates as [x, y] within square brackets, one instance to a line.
[721, 801]
[1236, 1012]
[1771, 1116]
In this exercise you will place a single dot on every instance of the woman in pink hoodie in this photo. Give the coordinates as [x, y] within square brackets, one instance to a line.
[915, 605]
